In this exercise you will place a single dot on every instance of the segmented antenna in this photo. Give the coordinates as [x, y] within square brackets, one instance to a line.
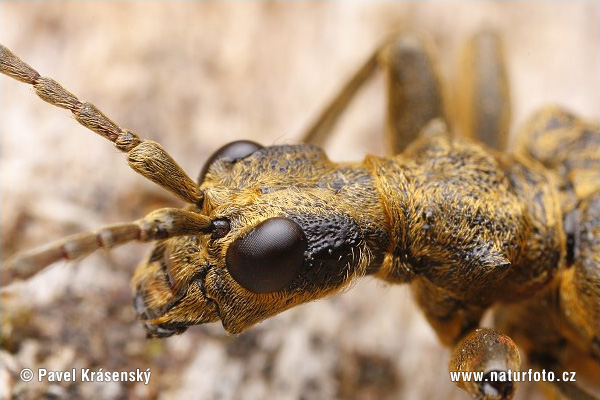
[160, 224]
[146, 157]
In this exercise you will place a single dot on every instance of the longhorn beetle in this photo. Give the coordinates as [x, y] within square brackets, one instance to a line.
[466, 226]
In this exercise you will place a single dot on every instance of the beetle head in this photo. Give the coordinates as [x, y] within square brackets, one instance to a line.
[287, 228]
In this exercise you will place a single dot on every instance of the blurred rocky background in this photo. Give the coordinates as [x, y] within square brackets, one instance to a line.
[194, 76]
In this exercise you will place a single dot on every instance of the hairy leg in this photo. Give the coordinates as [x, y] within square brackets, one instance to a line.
[493, 355]
[413, 90]
[483, 94]
[414, 93]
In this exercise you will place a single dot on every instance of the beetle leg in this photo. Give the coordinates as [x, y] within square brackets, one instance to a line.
[451, 318]
[483, 95]
[490, 354]
[320, 130]
[414, 94]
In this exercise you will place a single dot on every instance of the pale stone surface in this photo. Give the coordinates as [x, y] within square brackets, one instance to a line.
[193, 77]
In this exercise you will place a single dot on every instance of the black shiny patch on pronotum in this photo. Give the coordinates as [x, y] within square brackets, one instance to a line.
[268, 257]
[333, 248]
[233, 151]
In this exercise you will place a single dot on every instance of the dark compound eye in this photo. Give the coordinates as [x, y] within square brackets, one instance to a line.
[232, 152]
[268, 257]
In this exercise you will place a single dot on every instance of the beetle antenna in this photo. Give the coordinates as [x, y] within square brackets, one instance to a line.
[146, 157]
[160, 224]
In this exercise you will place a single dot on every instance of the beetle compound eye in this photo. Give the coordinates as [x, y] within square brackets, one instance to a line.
[268, 257]
[231, 152]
